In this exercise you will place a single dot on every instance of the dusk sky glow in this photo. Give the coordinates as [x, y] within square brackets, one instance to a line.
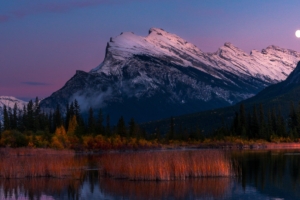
[43, 42]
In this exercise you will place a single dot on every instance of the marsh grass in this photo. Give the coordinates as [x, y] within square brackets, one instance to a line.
[25, 162]
[166, 165]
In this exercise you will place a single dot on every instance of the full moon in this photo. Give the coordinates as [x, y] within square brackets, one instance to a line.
[297, 33]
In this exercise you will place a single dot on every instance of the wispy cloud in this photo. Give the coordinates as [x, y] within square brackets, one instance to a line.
[32, 83]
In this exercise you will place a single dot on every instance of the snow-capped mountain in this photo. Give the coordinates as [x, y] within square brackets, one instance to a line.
[162, 75]
[10, 102]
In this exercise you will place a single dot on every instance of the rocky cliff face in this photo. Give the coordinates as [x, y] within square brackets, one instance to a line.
[162, 75]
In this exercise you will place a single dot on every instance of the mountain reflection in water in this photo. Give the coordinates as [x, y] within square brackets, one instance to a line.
[263, 175]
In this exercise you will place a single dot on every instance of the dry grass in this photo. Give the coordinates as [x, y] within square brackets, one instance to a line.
[166, 165]
[24, 162]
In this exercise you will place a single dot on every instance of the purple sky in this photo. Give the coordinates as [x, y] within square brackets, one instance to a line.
[43, 42]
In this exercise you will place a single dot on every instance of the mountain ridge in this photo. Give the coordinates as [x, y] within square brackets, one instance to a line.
[162, 74]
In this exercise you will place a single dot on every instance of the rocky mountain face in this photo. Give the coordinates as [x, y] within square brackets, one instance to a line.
[280, 94]
[278, 97]
[161, 75]
[10, 102]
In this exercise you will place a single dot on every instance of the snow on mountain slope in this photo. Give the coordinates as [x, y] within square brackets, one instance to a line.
[162, 75]
[272, 64]
[10, 102]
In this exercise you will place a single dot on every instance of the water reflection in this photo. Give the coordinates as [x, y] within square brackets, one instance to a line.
[38, 188]
[212, 188]
[275, 172]
[106, 188]
[263, 175]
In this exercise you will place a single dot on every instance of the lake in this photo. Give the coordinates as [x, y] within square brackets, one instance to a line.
[259, 174]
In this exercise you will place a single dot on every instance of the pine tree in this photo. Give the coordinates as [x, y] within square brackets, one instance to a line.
[51, 122]
[255, 123]
[292, 120]
[242, 117]
[273, 121]
[30, 116]
[1, 129]
[121, 127]
[91, 121]
[298, 119]
[68, 117]
[77, 110]
[14, 121]
[44, 122]
[171, 133]
[158, 134]
[72, 109]
[10, 116]
[281, 129]
[24, 119]
[132, 128]
[107, 128]
[269, 129]
[6, 125]
[37, 112]
[236, 124]
[72, 125]
[57, 118]
[262, 124]
[99, 124]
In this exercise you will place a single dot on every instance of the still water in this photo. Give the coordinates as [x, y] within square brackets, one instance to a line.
[273, 174]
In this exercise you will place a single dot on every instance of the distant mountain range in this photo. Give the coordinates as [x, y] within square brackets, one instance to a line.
[10, 102]
[160, 75]
[278, 96]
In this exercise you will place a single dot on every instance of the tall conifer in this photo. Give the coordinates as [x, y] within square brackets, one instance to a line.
[6, 125]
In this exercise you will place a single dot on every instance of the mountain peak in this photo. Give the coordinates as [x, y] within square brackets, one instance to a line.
[272, 64]
[158, 43]
[162, 75]
[157, 31]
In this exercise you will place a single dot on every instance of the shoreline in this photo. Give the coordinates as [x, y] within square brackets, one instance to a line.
[235, 146]
[211, 145]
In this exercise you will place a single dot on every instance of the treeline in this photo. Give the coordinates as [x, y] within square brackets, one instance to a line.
[257, 124]
[32, 126]
[59, 129]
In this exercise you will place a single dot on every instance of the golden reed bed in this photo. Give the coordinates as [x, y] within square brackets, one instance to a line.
[166, 165]
[24, 162]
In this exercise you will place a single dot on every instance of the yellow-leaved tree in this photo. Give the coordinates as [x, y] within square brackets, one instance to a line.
[60, 139]
[72, 125]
